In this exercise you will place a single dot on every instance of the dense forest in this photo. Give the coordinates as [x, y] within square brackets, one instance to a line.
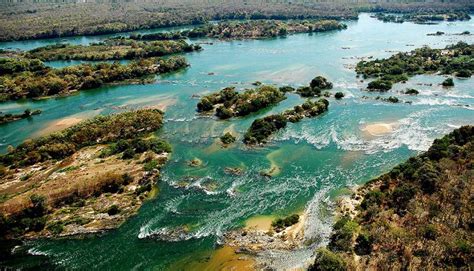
[417, 216]
[23, 20]
[248, 29]
[457, 59]
[30, 78]
[111, 49]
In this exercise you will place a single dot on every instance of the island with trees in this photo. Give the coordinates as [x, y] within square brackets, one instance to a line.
[87, 178]
[253, 29]
[9, 117]
[229, 103]
[262, 128]
[454, 59]
[424, 17]
[111, 49]
[416, 216]
[30, 78]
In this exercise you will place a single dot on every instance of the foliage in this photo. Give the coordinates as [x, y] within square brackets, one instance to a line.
[339, 95]
[50, 81]
[416, 215]
[262, 129]
[327, 261]
[424, 17]
[457, 58]
[412, 91]
[101, 129]
[448, 82]
[110, 49]
[282, 223]
[113, 210]
[4, 118]
[230, 103]
[227, 138]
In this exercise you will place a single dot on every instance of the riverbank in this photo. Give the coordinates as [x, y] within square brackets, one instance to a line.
[74, 182]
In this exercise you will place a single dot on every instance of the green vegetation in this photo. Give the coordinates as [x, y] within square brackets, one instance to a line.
[405, 219]
[411, 91]
[52, 20]
[327, 261]
[31, 218]
[4, 118]
[458, 58]
[424, 17]
[227, 138]
[99, 130]
[256, 29]
[262, 129]
[448, 82]
[37, 80]
[230, 103]
[111, 49]
[282, 223]
[315, 87]
[127, 133]
[339, 95]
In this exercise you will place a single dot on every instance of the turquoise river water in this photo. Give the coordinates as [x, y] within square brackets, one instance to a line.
[317, 157]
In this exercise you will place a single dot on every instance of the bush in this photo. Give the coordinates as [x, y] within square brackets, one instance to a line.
[113, 210]
[343, 232]
[464, 74]
[448, 82]
[327, 261]
[339, 95]
[320, 82]
[379, 85]
[282, 223]
[363, 245]
[412, 91]
[227, 138]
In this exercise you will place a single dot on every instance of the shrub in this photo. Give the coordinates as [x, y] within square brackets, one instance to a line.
[448, 82]
[327, 261]
[339, 95]
[379, 85]
[412, 91]
[227, 138]
[282, 223]
[464, 73]
[363, 245]
[113, 210]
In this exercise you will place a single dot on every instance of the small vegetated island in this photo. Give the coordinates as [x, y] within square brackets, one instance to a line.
[30, 78]
[229, 103]
[86, 178]
[111, 49]
[417, 216]
[261, 129]
[424, 17]
[249, 30]
[457, 59]
[8, 117]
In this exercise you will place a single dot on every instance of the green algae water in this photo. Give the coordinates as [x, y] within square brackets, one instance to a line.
[317, 158]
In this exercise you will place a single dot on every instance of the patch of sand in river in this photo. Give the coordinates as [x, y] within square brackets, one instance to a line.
[260, 222]
[61, 124]
[223, 258]
[378, 129]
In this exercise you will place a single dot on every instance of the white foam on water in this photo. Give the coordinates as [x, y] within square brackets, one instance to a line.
[411, 132]
[36, 252]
